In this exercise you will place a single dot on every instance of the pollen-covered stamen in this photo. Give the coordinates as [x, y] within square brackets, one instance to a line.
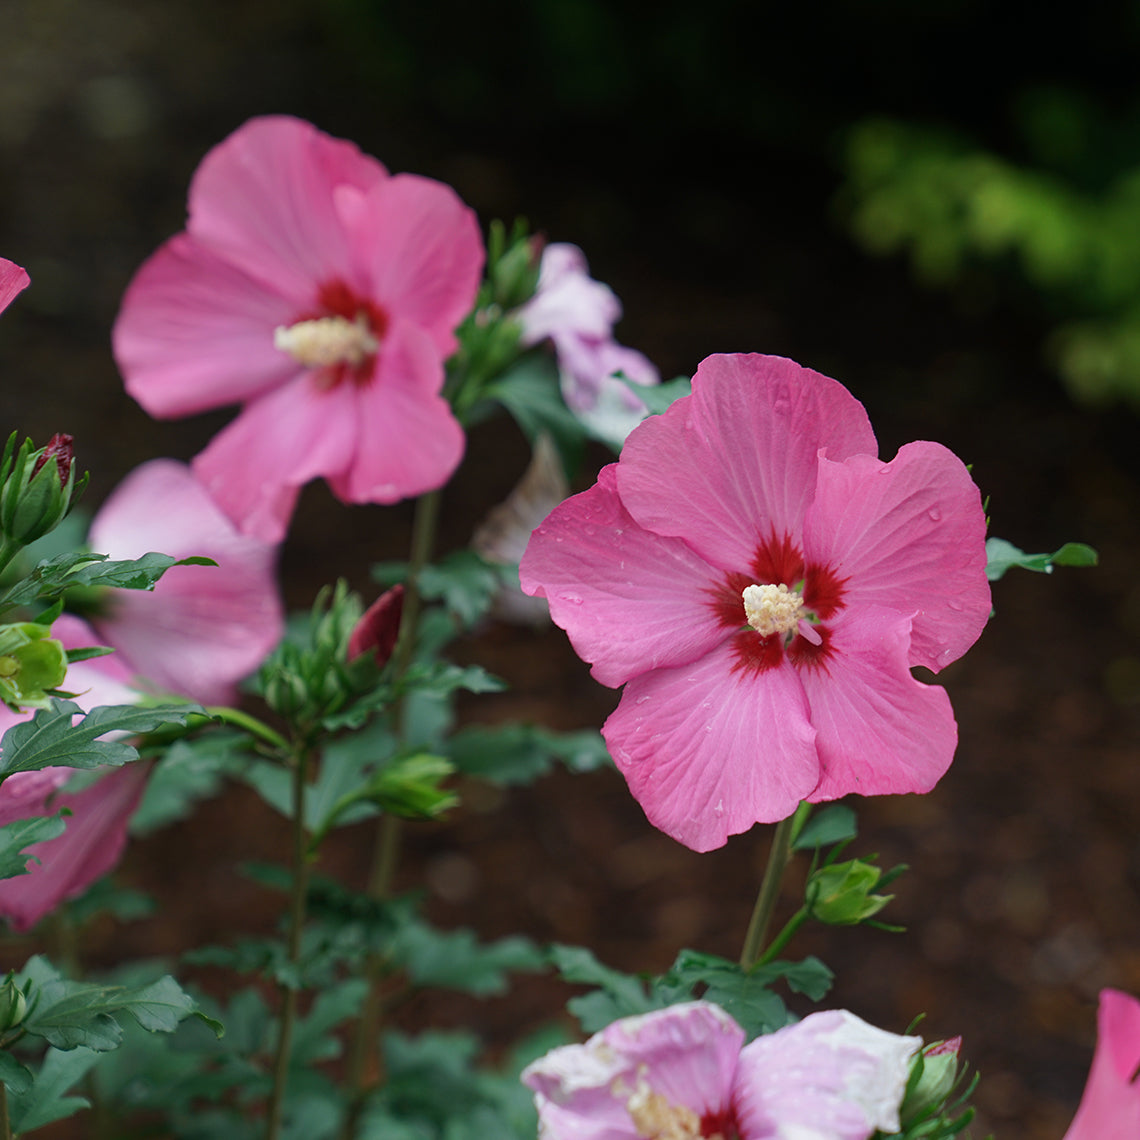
[656, 1119]
[328, 341]
[773, 609]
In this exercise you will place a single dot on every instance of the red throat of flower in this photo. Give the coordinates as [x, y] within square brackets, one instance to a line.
[779, 608]
[339, 340]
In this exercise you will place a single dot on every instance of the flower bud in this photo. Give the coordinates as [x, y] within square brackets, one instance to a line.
[32, 663]
[939, 1076]
[379, 628]
[37, 489]
[13, 1005]
[841, 894]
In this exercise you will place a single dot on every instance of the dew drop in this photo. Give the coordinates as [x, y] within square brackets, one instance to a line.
[935, 514]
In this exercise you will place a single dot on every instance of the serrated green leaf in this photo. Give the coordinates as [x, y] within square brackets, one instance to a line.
[456, 960]
[313, 1038]
[45, 1101]
[15, 837]
[659, 397]
[520, 753]
[464, 582]
[620, 995]
[50, 738]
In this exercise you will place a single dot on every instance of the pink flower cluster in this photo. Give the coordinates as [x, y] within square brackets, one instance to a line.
[577, 314]
[684, 1072]
[762, 585]
[320, 293]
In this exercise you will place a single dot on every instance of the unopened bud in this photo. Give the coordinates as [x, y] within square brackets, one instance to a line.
[379, 628]
[32, 663]
[13, 1005]
[841, 894]
[37, 489]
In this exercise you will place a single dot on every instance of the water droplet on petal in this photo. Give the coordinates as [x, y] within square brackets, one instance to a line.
[935, 514]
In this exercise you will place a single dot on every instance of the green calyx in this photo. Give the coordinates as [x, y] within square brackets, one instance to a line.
[32, 664]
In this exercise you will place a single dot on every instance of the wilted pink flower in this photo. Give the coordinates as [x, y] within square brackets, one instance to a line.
[680, 1072]
[12, 280]
[97, 829]
[1110, 1106]
[203, 628]
[323, 295]
[578, 314]
[762, 584]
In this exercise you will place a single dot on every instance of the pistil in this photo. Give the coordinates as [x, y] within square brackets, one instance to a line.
[325, 342]
[770, 609]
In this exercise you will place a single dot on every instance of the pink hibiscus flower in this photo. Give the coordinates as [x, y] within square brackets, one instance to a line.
[12, 280]
[681, 1072]
[97, 829]
[578, 314]
[320, 293]
[1110, 1106]
[762, 585]
[203, 628]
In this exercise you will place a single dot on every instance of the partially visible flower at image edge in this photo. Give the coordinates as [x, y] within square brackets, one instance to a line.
[201, 629]
[684, 1072]
[322, 294]
[1110, 1105]
[96, 831]
[577, 314]
[762, 585]
[13, 279]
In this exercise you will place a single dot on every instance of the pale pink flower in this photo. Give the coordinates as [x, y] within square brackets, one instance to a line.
[762, 585]
[203, 628]
[320, 293]
[681, 1073]
[97, 829]
[1110, 1106]
[12, 280]
[577, 314]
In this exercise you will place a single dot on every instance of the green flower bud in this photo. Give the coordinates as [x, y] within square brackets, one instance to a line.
[37, 489]
[13, 1005]
[937, 1080]
[841, 894]
[31, 663]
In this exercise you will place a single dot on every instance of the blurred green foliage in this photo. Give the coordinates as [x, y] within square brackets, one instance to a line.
[1065, 217]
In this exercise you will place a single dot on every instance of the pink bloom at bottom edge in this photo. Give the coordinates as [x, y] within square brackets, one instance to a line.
[12, 280]
[97, 829]
[1110, 1105]
[682, 1073]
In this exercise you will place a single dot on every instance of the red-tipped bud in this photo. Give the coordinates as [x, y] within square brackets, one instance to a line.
[60, 448]
[378, 629]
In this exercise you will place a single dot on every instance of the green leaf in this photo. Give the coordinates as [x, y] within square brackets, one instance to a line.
[456, 960]
[45, 1101]
[15, 837]
[658, 397]
[520, 753]
[79, 568]
[465, 583]
[313, 1039]
[617, 994]
[17, 1077]
[1002, 556]
[50, 737]
[834, 824]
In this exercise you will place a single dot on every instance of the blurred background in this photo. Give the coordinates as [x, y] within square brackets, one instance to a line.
[937, 204]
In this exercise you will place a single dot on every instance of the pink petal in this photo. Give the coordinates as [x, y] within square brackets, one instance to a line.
[405, 440]
[90, 847]
[255, 467]
[13, 279]
[709, 750]
[879, 730]
[202, 628]
[830, 1075]
[1110, 1105]
[686, 1054]
[264, 200]
[568, 301]
[736, 461]
[909, 534]
[195, 332]
[424, 254]
[630, 601]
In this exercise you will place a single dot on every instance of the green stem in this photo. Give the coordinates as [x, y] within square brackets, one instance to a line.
[423, 540]
[288, 988]
[784, 937]
[769, 890]
[5, 1123]
[251, 724]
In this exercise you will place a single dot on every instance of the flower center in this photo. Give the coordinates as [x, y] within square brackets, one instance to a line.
[325, 342]
[656, 1119]
[773, 609]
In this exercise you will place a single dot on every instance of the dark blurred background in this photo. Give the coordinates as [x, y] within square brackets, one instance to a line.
[936, 204]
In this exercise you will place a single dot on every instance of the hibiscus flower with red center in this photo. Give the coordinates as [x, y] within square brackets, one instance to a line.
[763, 584]
[320, 293]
